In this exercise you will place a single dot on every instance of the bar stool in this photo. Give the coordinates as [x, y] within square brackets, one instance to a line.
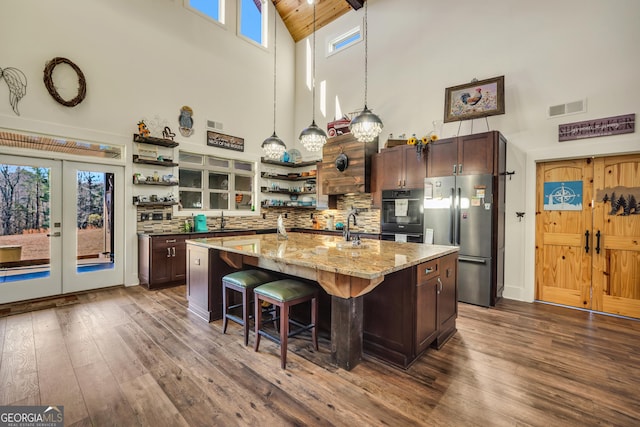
[284, 294]
[244, 282]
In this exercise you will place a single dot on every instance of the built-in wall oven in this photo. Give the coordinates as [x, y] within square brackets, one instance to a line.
[402, 215]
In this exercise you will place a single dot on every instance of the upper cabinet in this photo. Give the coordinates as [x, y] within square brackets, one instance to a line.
[400, 167]
[466, 155]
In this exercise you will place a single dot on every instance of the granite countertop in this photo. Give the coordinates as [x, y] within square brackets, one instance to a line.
[190, 233]
[373, 259]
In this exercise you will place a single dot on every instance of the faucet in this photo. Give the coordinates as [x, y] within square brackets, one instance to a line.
[222, 220]
[347, 233]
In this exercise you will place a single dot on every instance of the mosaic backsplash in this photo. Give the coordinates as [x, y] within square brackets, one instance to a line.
[368, 218]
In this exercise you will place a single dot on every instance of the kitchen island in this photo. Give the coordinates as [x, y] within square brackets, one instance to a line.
[345, 271]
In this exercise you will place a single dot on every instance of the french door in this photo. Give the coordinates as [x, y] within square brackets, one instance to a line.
[587, 234]
[59, 228]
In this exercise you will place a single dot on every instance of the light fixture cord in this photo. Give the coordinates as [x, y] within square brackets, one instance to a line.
[313, 62]
[366, 51]
[275, 56]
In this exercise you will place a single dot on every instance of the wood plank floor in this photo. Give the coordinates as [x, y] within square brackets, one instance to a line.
[128, 356]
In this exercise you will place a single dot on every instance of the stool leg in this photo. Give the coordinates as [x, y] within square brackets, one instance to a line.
[225, 304]
[257, 318]
[314, 319]
[245, 315]
[284, 334]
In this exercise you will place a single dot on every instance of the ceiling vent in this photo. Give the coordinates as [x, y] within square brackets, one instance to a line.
[214, 125]
[569, 108]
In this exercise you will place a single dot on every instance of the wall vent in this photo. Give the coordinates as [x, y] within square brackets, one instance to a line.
[214, 125]
[569, 108]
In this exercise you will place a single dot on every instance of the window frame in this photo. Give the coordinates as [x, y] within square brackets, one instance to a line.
[232, 171]
[343, 38]
[221, 12]
[264, 19]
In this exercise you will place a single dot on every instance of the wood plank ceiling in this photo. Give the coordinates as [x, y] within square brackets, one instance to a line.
[298, 14]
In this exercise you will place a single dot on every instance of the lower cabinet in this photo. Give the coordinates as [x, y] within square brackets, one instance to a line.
[161, 260]
[411, 310]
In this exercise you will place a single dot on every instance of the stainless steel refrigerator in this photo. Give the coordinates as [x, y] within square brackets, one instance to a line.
[466, 211]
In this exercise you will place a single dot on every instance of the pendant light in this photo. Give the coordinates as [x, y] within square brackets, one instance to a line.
[313, 138]
[366, 126]
[273, 146]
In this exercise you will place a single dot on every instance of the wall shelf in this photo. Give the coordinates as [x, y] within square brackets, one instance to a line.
[154, 141]
[289, 164]
[150, 204]
[165, 163]
[161, 183]
[267, 175]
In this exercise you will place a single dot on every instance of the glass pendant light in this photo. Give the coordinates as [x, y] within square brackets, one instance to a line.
[273, 146]
[366, 126]
[313, 138]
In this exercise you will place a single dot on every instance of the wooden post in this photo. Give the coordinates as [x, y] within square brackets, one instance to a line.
[346, 331]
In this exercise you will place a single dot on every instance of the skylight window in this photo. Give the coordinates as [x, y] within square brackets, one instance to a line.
[345, 40]
[213, 9]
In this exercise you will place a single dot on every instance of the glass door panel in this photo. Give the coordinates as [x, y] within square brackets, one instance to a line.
[30, 228]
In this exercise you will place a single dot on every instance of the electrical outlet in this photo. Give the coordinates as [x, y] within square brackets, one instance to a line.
[286, 215]
[144, 217]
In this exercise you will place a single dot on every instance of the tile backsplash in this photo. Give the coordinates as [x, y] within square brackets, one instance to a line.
[368, 218]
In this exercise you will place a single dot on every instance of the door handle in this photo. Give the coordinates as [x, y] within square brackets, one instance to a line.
[455, 168]
[598, 242]
[586, 241]
[460, 168]
[440, 283]
[55, 234]
[458, 212]
[452, 217]
[173, 251]
[168, 252]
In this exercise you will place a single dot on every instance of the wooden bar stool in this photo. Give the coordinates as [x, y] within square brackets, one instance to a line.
[284, 294]
[243, 282]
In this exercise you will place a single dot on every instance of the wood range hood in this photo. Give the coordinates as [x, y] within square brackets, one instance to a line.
[356, 178]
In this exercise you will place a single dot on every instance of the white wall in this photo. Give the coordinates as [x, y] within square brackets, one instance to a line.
[144, 58]
[550, 52]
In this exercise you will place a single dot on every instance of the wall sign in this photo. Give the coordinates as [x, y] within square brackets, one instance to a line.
[215, 139]
[563, 196]
[597, 127]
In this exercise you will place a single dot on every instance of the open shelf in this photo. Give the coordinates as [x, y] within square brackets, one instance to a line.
[154, 141]
[161, 183]
[292, 177]
[149, 204]
[289, 164]
[165, 163]
[301, 193]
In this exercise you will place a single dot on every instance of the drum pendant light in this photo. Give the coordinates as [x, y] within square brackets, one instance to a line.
[312, 137]
[366, 126]
[273, 146]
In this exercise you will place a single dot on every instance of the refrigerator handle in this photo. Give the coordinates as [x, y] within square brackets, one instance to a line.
[458, 209]
[452, 216]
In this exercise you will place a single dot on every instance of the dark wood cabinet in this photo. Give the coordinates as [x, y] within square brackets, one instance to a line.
[411, 310]
[377, 171]
[465, 155]
[161, 260]
[401, 168]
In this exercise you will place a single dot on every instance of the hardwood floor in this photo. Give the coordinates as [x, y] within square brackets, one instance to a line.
[128, 356]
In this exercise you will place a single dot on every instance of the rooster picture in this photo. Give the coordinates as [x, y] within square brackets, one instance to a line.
[472, 100]
[17, 83]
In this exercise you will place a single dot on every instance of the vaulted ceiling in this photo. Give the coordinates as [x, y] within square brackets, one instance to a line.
[298, 14]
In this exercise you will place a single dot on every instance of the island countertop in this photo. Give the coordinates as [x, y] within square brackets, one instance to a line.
[371, 260]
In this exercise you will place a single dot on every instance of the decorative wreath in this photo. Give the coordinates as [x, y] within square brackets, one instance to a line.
[48, 82]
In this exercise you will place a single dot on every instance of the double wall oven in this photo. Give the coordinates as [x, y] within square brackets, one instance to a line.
[402, 215]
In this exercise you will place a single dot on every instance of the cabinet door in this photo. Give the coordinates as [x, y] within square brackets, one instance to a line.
[415, 170]
[179, 261]
[448, 296]
[426, 313]
[393, 168]
[442, 157]
[161, 262]
[475, 154]
[377, 173]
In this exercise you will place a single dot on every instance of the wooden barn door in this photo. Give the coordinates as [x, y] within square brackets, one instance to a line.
[563, 265]
[616, 266]
[590, 258]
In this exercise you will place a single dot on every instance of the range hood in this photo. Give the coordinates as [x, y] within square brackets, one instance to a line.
[350, 175]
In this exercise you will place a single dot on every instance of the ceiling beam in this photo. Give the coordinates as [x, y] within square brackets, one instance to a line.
[356, 4]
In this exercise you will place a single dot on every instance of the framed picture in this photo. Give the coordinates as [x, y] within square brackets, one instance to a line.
[474, 100]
